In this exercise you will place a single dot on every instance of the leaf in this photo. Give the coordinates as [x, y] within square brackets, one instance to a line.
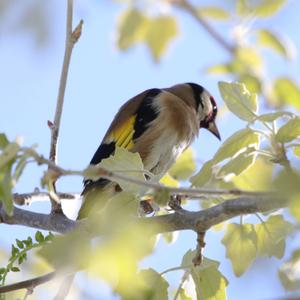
[262, 8]
[287, 91]
[238, 164]
[19, 244]
[9, 154]
[6, 185]
[235, 143]
[133, 26]
[271, 236]
[219, 69]
[269, 39]
[182, 295]
[126, 163]
[185, 165]
[160, 32]
[239, 100]
[210, 284]
[168, 180]
[213, 12]
[257, 178]
[240, 242]
[3, 141]
[155, 287]
[294, 207]
[288, 272]
[288, 131]
[204, 175]
[270, 117]
[20, 167]
[297, 151]
[39, 237]
[15, 269]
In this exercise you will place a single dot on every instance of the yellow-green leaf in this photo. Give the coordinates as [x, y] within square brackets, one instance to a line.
[209, 282]
[126, 163]
[270, 117]
[267, 8]
[168, 180]
[3, 141]
[297, 151]
[239, 100]
[235, 143]
[219, 69]
[289, 271]
[161, 31]
[271, 236]
[9, 153]
[132, 28]
[287, 91]
[238, 164]
[294, 207]
[213, 12]
[204, 175]
[185, 166]
[289, 131]
[257, 178]
[240, 242]
[6, 185]
[269, 39]
[182, 295]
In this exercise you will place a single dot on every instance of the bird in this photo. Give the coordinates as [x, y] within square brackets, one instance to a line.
[159, 124]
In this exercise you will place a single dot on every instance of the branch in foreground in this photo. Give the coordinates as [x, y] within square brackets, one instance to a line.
[179, 220]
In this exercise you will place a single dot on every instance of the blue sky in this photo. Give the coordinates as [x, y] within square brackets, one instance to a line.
[101, 78]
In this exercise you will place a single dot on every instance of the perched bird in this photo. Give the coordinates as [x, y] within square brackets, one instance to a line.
[159, 124]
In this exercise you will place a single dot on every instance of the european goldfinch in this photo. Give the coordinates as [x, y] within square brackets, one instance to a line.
[159, 124]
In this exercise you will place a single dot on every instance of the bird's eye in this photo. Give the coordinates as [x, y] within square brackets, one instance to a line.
[215, 109]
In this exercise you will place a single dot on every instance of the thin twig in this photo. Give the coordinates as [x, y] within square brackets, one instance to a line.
[71, 39]
[29, 284]
[186, 5]
[28, 198]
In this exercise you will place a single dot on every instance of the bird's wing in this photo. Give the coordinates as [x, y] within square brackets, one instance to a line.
[130, 123]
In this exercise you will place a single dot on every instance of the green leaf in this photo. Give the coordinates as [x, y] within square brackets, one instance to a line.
[204, 175]
[3, 141]
[239, 100]
[20, 167]
[257, 178]
[6, 185]
[185, 166]
[271, 236]
[160, 32]
[9, 154]
[269, 39]
[240, 242]
[123, 162]
[297, 151]
[238, 164]
[287, 91]
[182, 295]
[133, 26]
[19, 244]
[39, 237]
[288, 272]
[262, 8]
[213, 12]
[288, 131]
[219, 69]
[15, 269]
[235, 143]
[270, 117]
[209, 282]
[168, 180]
[294, 207]
[155, 287]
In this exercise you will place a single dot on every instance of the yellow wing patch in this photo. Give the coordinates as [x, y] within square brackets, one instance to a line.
[123, 134]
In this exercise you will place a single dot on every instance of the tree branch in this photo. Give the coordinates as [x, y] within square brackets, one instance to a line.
[198, 221]
[184, 4]
[71, 39]
[179, 220]
[28, 198]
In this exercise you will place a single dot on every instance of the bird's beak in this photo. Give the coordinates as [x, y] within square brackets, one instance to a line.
[212, 127]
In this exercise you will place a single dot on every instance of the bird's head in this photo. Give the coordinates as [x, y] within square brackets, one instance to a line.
[206, 109]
